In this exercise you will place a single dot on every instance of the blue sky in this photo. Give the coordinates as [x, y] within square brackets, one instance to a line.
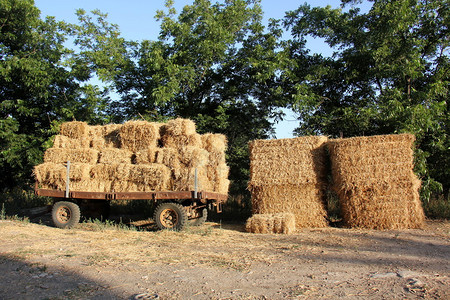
[136, 21]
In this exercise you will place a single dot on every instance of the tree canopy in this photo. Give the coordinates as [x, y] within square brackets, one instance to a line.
[217, 63]
[389, 73]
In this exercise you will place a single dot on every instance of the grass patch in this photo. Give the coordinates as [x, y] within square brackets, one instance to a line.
[14, 201]
[102, 225]
[437, 207]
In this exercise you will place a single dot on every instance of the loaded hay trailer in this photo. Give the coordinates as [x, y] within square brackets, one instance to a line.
[174, 209]
[170, 164]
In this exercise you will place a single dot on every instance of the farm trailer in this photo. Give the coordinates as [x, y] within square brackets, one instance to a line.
[174, 209]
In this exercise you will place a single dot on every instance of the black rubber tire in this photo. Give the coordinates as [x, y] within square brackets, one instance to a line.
[170, 216]
[65, 214]
[199, 221]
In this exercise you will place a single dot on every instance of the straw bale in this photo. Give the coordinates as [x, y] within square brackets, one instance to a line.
[91, 185]
[62, 141]
[288, 161]
[184, 180]
[155, 176]
[374, 179]
[62, 155]
[139, 135]
[95, 131]
[214, 142]
[111, 135]
[221, 185]
[179, 141]
[169, 157]
[115, 156]
[97, 143]
[103, 171]
[271, 223]
[75, 129]
[305, 201]
[178, 127]
[146, 156]
[216, 158]
[193, 157]
[54, 175]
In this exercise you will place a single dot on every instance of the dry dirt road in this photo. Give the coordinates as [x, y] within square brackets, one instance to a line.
[222, 262]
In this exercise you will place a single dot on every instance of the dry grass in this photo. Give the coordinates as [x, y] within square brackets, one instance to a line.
[374, 179]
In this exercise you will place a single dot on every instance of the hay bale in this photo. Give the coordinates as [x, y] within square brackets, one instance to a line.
[288, 161]
[374, 179]
[271, 223]
[180, 141]
[184, 180]
[62, 141]
[149, 177]
[103, 186]
[62, 155]
[111, 135]
[146, 156]
[169, 157]
[139, 135]
[289, 175]
[178, 127]
[305, 202]
[193, 157]
[54, 175]
[115, 156]
[214, 142]
[104, 172]
[74, 130]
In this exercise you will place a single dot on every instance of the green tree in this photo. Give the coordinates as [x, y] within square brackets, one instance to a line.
[389, 74]
[38, 89]
[213, 63]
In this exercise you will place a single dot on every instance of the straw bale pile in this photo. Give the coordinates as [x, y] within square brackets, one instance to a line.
[288, 175]
[271, 223]
[135, 156]
[374, 179]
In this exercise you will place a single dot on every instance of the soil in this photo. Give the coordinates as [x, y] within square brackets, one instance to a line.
[220, 261]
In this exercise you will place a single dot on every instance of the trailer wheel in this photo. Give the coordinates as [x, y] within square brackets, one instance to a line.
[170, 216]
[200, 220]
[65, 214]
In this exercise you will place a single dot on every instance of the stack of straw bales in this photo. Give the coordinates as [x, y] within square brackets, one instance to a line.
[288, 176]
[135, 156]
[271, 223]
[374, 179]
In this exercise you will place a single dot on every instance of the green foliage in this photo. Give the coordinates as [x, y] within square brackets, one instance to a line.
[213, 63]
[389, 74]
[37, 89]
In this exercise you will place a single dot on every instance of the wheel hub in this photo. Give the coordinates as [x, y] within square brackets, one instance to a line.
[169, 218]
[64, 214]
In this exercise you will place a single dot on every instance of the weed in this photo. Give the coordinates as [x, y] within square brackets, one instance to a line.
[437, 208]
[101, 225]
[3, 212]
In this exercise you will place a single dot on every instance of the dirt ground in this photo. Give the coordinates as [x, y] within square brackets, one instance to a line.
[220, 261]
